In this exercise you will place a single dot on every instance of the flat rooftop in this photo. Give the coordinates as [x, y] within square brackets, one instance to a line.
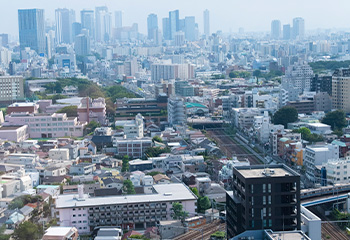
[164, 193]
[287, 235]
[280, 170]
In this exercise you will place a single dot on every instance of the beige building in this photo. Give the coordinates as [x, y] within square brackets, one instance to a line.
[11, 88]
[341, 89]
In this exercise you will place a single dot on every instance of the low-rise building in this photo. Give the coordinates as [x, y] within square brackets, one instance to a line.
[92, 110]
[14, 133]
[59, 154]
[134, 148]
[61, 233]
[82, 169]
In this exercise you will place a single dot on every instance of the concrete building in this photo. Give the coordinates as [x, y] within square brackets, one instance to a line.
[82, 169]
[176, 111]
[206, 20]
[263, 198]
[134, 129]
[129, 211]
[11, 88]
[14, 133]
[20, 107]
[337, 170]
[59, 154]
[92, 110]
[46, 125]
[276, 29]
[316, 155]
[171, 71]
[341, 89]
[61, 233]
[134, 148]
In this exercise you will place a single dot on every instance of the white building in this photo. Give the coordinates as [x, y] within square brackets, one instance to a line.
[59, 154]
[316, 155]
[319, 128]
[338, 170]
[176, 111]
[11, 88]
[134, 128]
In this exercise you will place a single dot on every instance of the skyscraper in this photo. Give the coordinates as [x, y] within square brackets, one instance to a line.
[276, 29]
[286, 31]
[82, 45]
[298, 28]
[88, 21]
[118, 19]
[152, 26]
[166, 29]
[103, 23]
[190, 28]
[206, 22]
[76, 29]
[32, 29]
[64, 21]
[174, 24]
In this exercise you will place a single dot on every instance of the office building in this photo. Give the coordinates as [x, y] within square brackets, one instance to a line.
[341, 89]
[166, 29]
[88, 21]
[152, 26]
[171, 71]
[31, 24]
[276, 29]
[4, 39]
[64, 21]
[190, 28]
[298, 28]
[82, 45]
[179, 39]
[321, 83]
[174, 23]
[206, 21]
[11, 88]
[128, 211]
[103, 20]
[118, 19]
[76, 29]
[286, 32]
[263, 198]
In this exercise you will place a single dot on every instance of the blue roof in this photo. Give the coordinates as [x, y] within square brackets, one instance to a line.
[339, 143]
[48, 186]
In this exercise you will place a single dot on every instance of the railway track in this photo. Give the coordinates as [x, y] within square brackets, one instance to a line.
[204, 232]
[332, 232]
[230, 146]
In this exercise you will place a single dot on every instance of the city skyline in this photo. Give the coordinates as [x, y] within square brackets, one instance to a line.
[220, 18]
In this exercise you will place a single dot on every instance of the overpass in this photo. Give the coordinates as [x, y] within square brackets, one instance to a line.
[326, 199]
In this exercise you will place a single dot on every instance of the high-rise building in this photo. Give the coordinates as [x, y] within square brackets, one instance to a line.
[206, 22]
[118, 19]
[176, 111]
[276, 29]
[174, 23]
[152, 26]
[82, 45]
[4, 39]
[103, 20]
[190, 28]
[166, 29]
[321, 83]
[179, 38]
[286, 32]
[88, 21]
[76, 29]
[298, 28]
[263, 198]
[11, 88]
[31, 24]
[64, 21]
[341, 89]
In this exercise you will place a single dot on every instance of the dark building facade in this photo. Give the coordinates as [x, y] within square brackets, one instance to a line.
[263, 199]
[321, 83]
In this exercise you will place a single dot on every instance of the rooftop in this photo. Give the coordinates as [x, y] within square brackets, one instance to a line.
[58, 231]
[164, 192]
[280, 170]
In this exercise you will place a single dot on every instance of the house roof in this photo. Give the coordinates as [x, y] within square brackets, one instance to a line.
[160, 176]
[26, 210]
[14, 218]
[192, 105]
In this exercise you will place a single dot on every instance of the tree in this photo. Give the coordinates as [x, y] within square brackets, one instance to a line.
[156, 151]
[336, 119]
[285, 115]
[128, 187]
[257, 73]
[91, 126]
[153, 173]
[72, 111]
[203, 204]
[195, 191]
[125, 166]
[157, 139]
[27, 231]
[177, 212]
[308, 136]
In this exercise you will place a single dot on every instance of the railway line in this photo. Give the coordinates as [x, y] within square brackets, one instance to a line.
[332, 232]
[204, 232]
[226, 143]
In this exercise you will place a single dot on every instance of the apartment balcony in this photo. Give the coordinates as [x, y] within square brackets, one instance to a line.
[164, 212]
[141, 207]
[163, 206]
[96, 210]
[90, 210]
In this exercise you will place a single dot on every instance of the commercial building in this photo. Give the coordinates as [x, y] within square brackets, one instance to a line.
[64, 21]
[82, 45]
[31, 25]
[152, 26]
[11, 88]
[337, 170]
[206, 20]
[88, 21]
[298, 28]
[263, 198]
[46, 125]
[276, 29]
[14, 133]
[171, 71]
[128, 211]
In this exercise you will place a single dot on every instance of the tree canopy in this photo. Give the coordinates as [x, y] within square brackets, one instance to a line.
[128, 187]
[336, 119]
[20, 201]
[72, 111]
[285, 115]
[178, 212]
[27, 231]
[240, 74]
[157, 139]
[308, 136]
[203, 204]
[91, 126]
[125, 166]
[156, 151]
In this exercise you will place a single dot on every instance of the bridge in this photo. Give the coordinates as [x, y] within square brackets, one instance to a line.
[326, 199]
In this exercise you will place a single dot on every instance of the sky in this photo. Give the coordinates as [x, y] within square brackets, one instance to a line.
[225, 15]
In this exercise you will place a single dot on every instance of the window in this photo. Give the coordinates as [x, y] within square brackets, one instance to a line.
[269, 187]
[264, 212]
[264, 200]
[264, 188]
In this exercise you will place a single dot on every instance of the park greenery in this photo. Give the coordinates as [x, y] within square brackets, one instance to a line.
[268, 76]
[322, 66]
[91, 126]
[285, 115]
[156, 151]
[240, 74]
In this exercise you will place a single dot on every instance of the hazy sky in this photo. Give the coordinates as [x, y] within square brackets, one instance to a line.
[226, 15]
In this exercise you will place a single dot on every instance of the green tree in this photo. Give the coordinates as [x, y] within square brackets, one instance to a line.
[128, 187]
[203, 204]
[285, 115]
[257, 74]
[195, 191]
[27, 231]
[125, 166]
[177, 212]
[72, 111]
[91, 126]
[335, 119]
[305, 132]
[156, 151]
[157, 139]
[153, 173]
[233, 74]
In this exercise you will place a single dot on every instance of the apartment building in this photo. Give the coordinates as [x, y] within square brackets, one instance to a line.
[128, 211]
[11, 88]
[263, 198]
[341, 89]
[47, 125]
[134, 148]
[338, 170]
[92, 110]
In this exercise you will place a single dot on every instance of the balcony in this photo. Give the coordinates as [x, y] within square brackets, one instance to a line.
[163, 206]
[90, 210]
